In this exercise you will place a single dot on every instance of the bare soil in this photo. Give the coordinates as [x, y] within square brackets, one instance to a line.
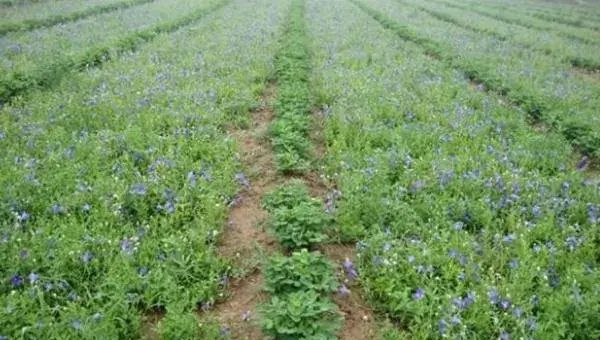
[359, 322]
[244, 237]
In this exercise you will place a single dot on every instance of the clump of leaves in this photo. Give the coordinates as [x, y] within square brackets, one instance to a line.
[300, 226]
[300, 315]
[287, 196]
[301, 271]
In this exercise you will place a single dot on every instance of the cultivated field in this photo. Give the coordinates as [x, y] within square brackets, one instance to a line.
[299, 169]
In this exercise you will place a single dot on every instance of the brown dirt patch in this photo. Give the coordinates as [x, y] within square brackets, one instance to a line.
[244, 238]
[149, 321]
[246, 294]
[359, 323]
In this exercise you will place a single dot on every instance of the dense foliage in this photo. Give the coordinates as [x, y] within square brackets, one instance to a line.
[116, 184]
[469, 223]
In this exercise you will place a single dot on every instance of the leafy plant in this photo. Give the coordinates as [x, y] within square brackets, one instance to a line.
[300, 226]
[300, 315]
[302, 271]
[288, 195]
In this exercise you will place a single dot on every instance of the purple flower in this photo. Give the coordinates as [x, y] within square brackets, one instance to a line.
[72, 296]
[554, 278]
[225, 330]
[246, 316]
[505, 304]
[348, 265]
[126, 246]
[344, 291]
[170, 207]
[205, 306]
[57, 209]
[24, 253]
[139, 189]
[241, 179]
[23, 216]
[191, 177]
[87, 257]
[514, 264]
[592, 213]
[455, 320]
[352, 274]
[469, 299]
[86, 207]
[442, 326]
[493, 295]
[518, 312]
[458, 226]
[581, 165]
[76, 325]
[143, 271]
[33, 278]
[509, 238]
[16, 280]
[504, 336]
[419, 294]
[411, 259]
[416, 186]
[224, 280]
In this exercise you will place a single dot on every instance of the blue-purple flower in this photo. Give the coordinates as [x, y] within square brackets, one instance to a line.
[139, 189]
[87, 257]
[225, 330]
[343, 291]
[246, 316]
[16, 280]
[419, 294]
[33, 278]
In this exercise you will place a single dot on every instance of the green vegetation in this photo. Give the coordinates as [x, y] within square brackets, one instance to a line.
[48, 74]
[30, 24]
[117, 182]
[461, 141]
[290, 129]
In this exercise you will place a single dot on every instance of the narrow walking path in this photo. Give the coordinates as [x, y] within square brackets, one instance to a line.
[244, 238]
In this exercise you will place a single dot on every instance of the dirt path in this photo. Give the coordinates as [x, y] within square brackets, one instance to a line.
[244, 238]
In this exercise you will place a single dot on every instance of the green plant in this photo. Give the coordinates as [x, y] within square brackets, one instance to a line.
[302, 271]
[300, 226]
[300, 315]
[287, 195]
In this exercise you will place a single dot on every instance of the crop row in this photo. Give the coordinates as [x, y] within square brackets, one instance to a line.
[567, 13]
[39, 72]
[538, 83]
[30, 24]
[301, 284]
[469, 224]
[290, 130]
[578, 55]
[581, 34]
[116, 183]
[41, 10]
